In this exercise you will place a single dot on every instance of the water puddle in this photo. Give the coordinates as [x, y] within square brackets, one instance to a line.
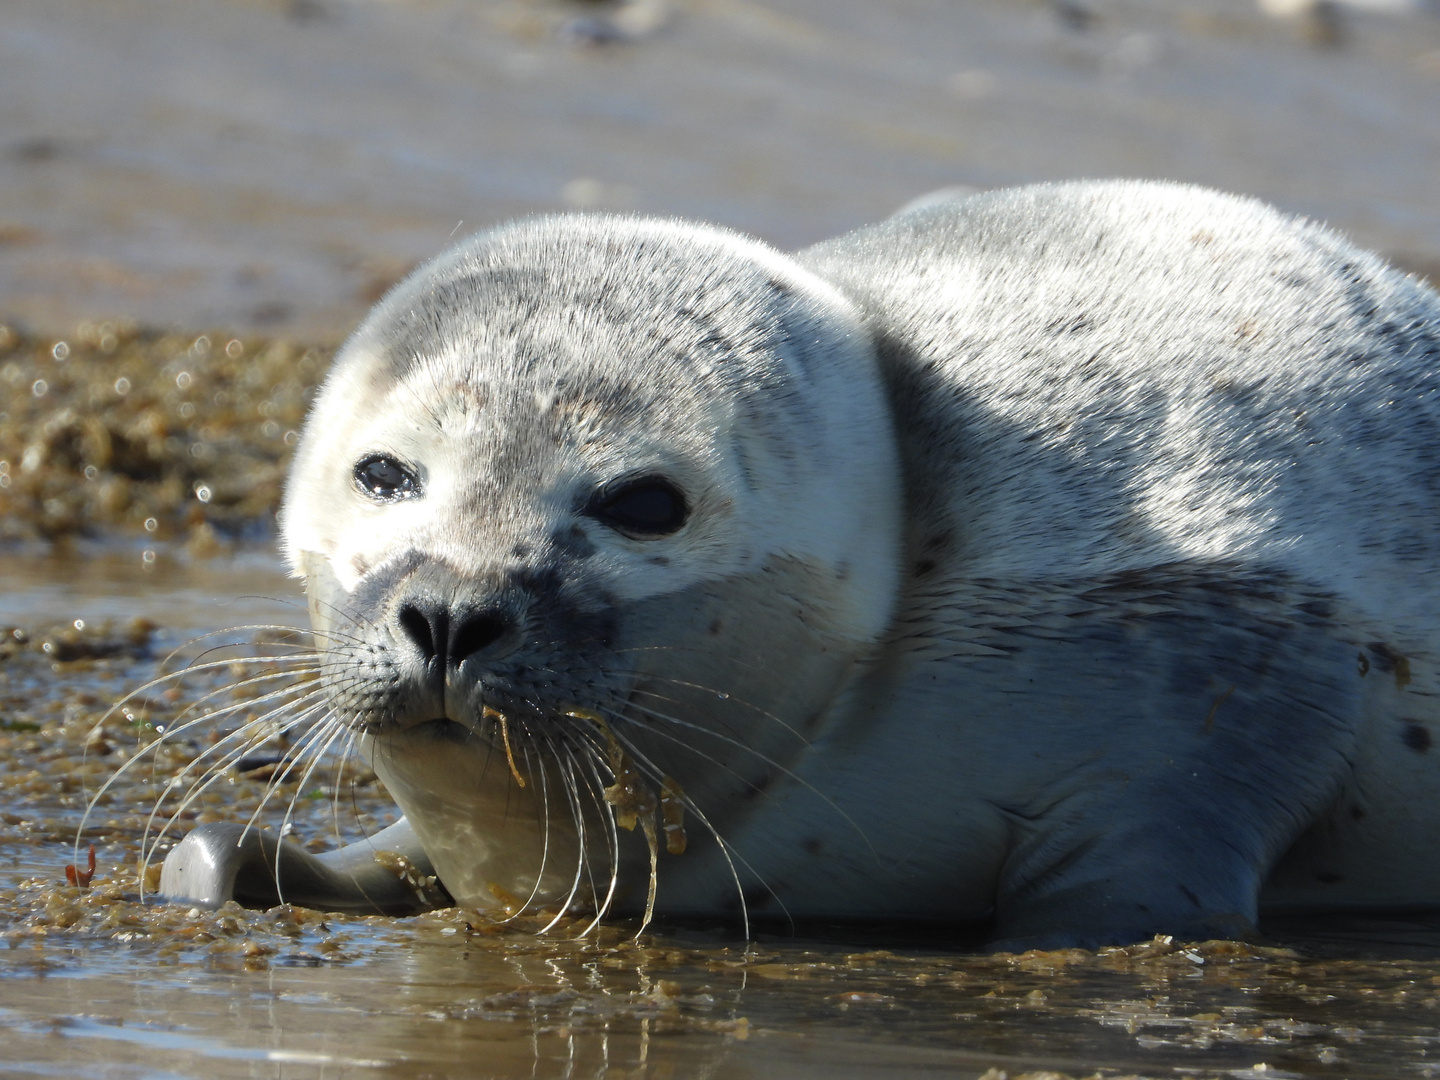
[176, 592]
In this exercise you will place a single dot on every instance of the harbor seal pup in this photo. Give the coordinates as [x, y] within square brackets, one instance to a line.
[1063, 556]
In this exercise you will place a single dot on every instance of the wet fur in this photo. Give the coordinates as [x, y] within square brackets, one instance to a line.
[1063, 556]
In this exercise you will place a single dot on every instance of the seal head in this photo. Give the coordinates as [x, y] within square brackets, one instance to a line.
[589, 489]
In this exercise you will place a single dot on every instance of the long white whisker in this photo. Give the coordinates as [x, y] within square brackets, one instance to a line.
[726, 849]
[251, 736]
[317, 756]
[594, 786]
[763, 758]
[149, 751]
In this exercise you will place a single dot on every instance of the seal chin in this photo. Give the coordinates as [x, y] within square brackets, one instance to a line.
[497, 845]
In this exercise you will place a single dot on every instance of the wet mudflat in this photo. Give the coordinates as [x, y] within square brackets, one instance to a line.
[95, 981]
[98, 981]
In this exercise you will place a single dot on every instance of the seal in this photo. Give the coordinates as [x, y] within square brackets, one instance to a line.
[1064, 557]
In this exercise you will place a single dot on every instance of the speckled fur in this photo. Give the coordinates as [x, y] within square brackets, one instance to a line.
[1067, 554]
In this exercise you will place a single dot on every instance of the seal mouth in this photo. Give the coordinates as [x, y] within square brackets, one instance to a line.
[440, 729]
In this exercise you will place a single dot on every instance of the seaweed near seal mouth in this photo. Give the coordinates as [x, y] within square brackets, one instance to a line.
[631, 801]
[489, 713]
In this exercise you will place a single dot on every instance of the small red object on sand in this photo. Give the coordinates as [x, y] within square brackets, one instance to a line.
[81, 877]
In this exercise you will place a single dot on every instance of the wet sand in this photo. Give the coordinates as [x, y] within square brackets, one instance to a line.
[268, 167]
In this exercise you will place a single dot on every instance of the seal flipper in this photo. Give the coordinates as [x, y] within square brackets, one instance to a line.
[227, 861]
[1102, 895]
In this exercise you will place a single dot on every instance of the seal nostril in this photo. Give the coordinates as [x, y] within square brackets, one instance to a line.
[426, 630]
[445, 639]
[477, 632]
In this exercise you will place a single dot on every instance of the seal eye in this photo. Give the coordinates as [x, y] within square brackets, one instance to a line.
[644, 508]
[385, 480]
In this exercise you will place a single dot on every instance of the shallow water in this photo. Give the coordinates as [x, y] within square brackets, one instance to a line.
[96, 983]
[181, 593]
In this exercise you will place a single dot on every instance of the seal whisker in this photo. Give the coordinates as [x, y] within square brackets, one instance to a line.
[176, 729]
[594, 785]
[348, 616]
[351, 751]
[579, 778]
[149, 753]
[298, 632]
[217, 665]
[303, 746]
[747, 663]
[214, 715]
[317, 755]
[721, 694]
[545, 829]
[582, 852]
[210, 775]
[727, 850]
[231, 748]
[764, 759]
[337, 778]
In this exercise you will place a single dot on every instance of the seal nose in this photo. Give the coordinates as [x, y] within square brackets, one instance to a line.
[448, 639]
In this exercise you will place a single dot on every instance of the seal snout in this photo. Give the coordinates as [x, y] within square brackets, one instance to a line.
[446, 637]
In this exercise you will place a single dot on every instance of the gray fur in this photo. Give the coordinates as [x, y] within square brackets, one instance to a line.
[1062, 555]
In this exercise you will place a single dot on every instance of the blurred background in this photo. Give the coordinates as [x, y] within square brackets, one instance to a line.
[271, 166]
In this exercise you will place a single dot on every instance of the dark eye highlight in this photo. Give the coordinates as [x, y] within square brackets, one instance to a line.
[644, 508]
[384, 479]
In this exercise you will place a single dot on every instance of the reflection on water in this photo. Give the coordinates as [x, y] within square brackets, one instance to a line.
[174, 590]
[99, 983]
[436, 997]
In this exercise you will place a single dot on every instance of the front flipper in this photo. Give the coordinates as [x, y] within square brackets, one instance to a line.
[223, 861]
[1129, 884]
[1171, 756]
